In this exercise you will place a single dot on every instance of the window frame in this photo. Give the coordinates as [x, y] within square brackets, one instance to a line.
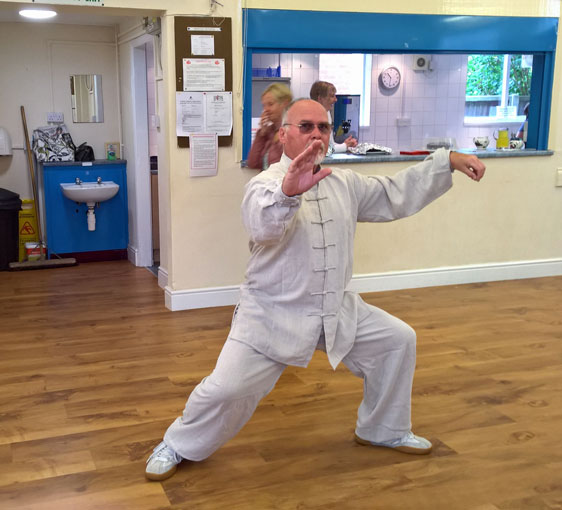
[288, 31]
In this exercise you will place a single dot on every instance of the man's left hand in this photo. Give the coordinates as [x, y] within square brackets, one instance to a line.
[467, 164]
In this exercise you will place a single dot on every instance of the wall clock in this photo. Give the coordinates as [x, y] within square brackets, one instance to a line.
[390, 78]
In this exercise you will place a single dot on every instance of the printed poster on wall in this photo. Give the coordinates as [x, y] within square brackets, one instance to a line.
[203, 155]
[202, 44]
[190, 113]
[203, 74]
[218, 113]
[203, 112]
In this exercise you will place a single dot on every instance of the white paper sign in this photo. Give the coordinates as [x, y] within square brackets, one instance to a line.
[190, 113]
[202, 44]
[218, 113]
[203, 155]
[203, 112]
[203, 74]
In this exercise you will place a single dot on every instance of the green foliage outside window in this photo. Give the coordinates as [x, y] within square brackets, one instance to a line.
[484, 76]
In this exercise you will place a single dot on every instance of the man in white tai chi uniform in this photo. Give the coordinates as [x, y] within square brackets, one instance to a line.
[301, 220]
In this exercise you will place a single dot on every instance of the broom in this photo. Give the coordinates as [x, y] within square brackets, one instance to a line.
[42, 263]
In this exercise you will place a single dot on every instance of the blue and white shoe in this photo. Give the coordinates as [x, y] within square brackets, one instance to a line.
[162, 463]
[408, 443]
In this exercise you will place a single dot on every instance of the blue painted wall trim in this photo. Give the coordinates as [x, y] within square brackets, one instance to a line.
[298, 30]
[273, 31]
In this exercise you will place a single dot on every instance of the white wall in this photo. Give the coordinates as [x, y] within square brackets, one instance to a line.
[36, 62]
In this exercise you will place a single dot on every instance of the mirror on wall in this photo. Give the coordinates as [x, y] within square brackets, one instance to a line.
[86, 97]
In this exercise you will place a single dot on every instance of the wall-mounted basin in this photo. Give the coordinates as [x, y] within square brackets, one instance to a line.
[89, 192]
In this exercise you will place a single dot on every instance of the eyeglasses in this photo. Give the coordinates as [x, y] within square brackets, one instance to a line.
[307, 127]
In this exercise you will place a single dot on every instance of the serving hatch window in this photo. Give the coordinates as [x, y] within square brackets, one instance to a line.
[429, 101]
[455, 97]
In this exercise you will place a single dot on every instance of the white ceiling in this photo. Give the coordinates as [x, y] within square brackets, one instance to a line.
[73, 15]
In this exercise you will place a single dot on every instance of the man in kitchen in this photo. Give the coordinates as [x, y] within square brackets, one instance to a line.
[301, 219]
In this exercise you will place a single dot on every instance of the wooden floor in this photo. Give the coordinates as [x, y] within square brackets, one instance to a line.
[93, 368]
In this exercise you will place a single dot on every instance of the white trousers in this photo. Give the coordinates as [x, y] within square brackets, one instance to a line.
[384, 355]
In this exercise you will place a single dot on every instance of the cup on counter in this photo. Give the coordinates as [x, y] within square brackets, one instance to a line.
[516, 143]
[481, 142]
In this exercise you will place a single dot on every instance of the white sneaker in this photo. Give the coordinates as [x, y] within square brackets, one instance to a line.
[162, 463]
[409, 443]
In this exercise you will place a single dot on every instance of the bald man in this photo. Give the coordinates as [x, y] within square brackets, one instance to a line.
[301, 220]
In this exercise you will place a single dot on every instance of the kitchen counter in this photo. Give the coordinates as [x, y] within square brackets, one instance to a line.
[345, 158]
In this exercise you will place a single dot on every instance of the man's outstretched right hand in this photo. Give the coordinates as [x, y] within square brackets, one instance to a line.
[301, 177]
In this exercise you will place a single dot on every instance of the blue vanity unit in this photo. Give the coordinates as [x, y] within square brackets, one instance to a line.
[66, 220]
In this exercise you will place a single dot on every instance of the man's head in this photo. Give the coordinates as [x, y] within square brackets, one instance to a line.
[304, 122]
[324, 92]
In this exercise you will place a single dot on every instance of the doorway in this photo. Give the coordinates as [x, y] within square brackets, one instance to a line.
[144, 156]
[153, 125]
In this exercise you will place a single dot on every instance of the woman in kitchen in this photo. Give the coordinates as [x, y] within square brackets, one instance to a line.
[266, 148]
[325, 93]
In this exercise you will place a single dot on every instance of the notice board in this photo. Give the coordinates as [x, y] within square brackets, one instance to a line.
[221, 30]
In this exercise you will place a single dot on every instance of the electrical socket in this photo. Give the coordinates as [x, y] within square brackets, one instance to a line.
[55, 117]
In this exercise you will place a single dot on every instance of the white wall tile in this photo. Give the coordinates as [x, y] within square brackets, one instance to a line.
[416, 118]
[381, 104]
[395, 104]
[380, 135]
[382, 118]
[428, 104]
[440, 117]
[428, 117]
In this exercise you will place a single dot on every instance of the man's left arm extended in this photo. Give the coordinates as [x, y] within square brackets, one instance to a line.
[410, 190]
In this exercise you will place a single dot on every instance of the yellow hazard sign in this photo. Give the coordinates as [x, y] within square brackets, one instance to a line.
[27, 229]
[27, 226]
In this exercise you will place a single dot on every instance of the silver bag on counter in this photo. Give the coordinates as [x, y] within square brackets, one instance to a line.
[369, 148]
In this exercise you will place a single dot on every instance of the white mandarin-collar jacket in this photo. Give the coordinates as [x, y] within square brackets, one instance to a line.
[302, 254]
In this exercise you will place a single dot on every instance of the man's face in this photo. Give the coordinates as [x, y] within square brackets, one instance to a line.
[292, 137]
[329, 99]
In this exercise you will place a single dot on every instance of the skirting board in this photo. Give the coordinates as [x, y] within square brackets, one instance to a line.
[132, 254]
[162, 278]
[137, 257]
[398, 280]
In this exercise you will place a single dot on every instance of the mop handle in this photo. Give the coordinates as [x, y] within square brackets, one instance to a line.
[32, 175]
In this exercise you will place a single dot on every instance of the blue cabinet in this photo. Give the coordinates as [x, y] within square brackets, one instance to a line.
[66, 220]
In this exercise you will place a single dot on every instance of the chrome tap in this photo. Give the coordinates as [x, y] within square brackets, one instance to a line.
[99, 180]
[78, 180]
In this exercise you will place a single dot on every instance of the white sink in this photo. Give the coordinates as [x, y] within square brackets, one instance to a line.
[89, 192]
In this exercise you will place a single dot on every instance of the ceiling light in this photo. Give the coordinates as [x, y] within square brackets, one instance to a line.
[37, 13]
